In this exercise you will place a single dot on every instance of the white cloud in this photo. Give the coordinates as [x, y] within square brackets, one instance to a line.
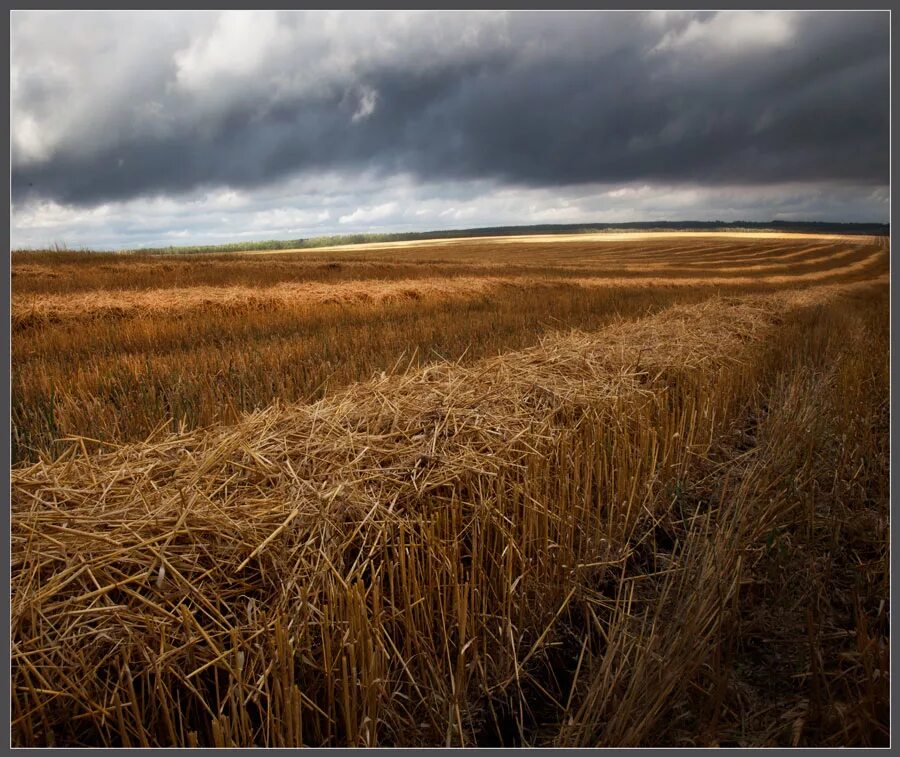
[73, 73]
[287, 219]
[29, 141]
[369, 214]
[368, 99]
[228, 199]
[630, 191]
[235, 48]
[50, 215]
[731, 32]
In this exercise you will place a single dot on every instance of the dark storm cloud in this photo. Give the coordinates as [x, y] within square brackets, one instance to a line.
[536, 100]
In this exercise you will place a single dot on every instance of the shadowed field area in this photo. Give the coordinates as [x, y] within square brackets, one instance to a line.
[572, 492]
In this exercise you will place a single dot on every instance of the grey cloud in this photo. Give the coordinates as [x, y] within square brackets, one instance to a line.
[531, 100]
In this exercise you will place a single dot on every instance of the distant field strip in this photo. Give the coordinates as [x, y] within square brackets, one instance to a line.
[529, 247]
[604, 238]
[807, 265]
[71, 271]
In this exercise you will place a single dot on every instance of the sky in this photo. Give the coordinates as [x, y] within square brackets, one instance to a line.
[133, 129]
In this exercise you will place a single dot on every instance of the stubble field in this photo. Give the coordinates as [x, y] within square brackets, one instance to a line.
[580, 491]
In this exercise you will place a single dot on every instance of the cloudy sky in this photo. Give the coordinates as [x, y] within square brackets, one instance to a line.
[132, 129]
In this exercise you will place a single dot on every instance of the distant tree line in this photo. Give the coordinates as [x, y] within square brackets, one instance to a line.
[821, 227]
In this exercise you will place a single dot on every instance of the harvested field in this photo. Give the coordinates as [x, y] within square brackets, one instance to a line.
[113, 346]
[617, 492]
